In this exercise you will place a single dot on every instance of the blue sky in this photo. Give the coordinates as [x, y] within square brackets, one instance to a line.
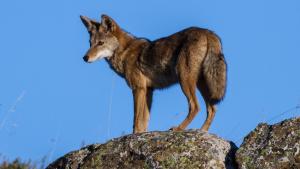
[52, 102]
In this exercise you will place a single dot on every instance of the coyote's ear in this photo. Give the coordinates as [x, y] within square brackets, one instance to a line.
[89, 23]
[108, 23]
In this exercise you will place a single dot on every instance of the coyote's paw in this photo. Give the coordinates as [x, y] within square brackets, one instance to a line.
[175, 129]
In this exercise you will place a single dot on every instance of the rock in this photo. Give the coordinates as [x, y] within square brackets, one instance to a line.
[271, 146]
[187, 149]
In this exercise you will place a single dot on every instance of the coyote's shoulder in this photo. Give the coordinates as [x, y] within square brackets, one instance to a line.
[192, 57]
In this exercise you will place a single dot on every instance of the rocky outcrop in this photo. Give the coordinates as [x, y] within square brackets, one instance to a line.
[267, 147]
[187, 149]
[271, 147]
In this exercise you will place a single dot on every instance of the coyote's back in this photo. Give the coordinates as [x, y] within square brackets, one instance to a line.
[195, 51]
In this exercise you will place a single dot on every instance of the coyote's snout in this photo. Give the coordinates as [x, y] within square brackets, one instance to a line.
[193, 57]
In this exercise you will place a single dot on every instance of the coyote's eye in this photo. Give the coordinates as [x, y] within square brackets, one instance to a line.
[100, 43]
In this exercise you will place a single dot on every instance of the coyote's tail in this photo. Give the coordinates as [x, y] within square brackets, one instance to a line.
[215, 76]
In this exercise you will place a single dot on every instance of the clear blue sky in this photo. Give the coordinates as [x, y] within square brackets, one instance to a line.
[51, 101]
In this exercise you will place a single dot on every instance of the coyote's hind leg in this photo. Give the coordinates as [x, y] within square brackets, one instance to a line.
[188, 86]
[210, 107]
[211, 111]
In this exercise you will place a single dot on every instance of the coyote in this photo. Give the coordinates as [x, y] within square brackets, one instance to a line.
[193, 57]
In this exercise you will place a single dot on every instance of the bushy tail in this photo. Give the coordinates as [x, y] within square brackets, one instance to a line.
[214, 73]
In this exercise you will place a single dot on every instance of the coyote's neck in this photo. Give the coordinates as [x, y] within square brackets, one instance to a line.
[117, 61]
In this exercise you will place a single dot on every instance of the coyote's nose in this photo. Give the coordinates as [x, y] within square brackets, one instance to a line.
[85, 58]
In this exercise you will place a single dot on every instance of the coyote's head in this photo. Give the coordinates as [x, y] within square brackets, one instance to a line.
[103, 42]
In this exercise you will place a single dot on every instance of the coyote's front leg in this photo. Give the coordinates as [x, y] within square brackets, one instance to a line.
[142, 103]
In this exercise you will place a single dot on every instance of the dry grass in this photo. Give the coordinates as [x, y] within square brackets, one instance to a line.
[17, 164]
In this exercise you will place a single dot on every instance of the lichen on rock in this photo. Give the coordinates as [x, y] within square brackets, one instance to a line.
[186, 149]
[266, 147]
[271, 146]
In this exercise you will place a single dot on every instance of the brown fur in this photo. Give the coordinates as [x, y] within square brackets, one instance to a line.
[193, 57]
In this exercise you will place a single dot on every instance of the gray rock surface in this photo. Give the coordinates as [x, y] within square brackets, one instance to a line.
[188, 149]
[271, 147]
[266, 147]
